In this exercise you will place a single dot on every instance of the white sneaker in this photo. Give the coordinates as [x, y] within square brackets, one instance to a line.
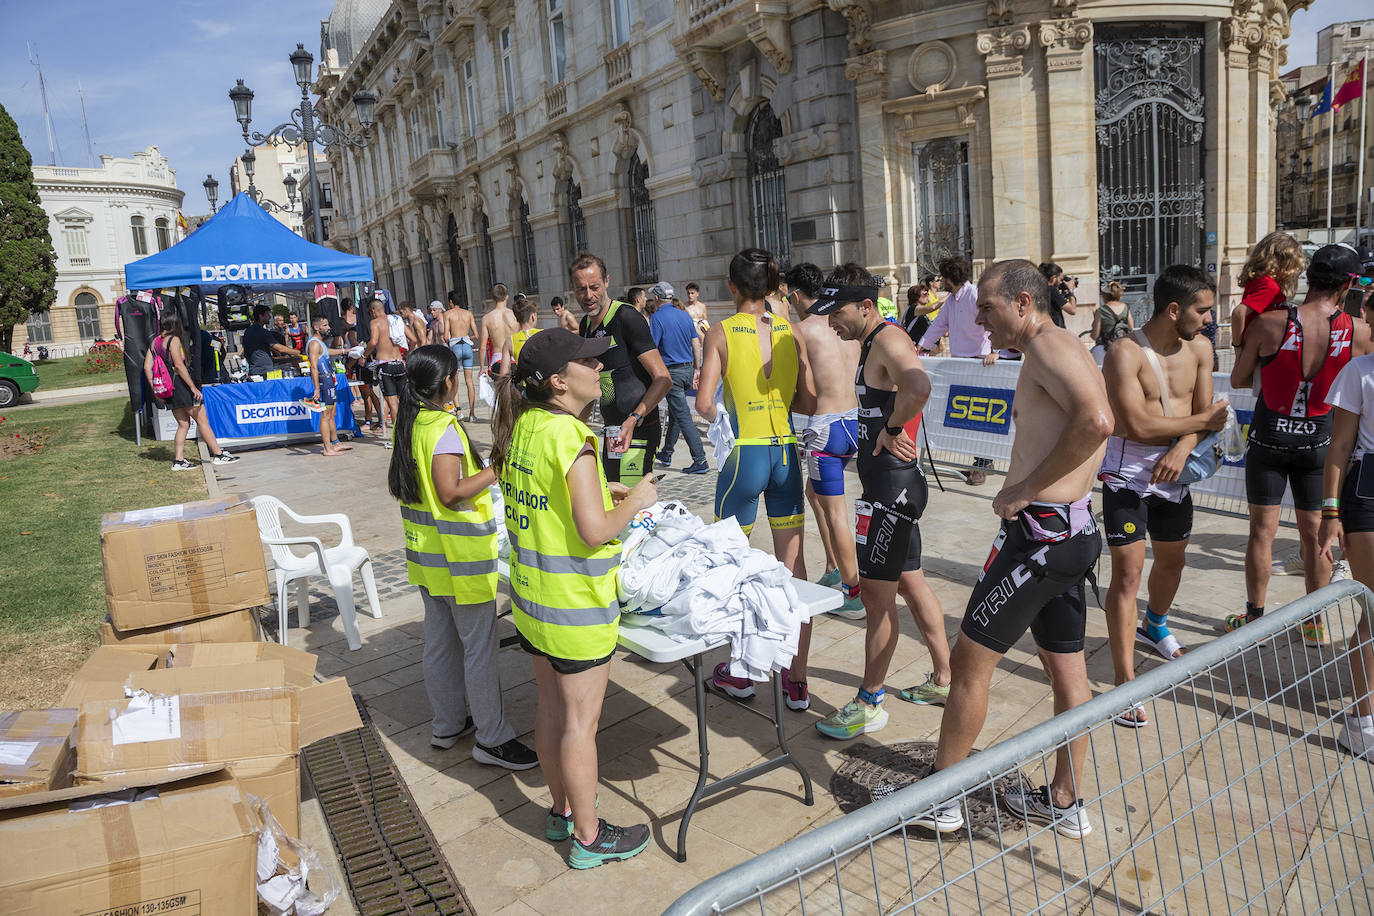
[946, 818]
[1035, 805]
[1290, 566]
[1340, 570]
[225, 458]
[1358, 738]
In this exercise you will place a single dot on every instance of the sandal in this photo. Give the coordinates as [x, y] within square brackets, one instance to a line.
[1167, 646]
[1132, 718]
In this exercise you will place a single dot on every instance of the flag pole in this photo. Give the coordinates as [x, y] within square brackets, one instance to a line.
[1359, 182]
[1330, 150]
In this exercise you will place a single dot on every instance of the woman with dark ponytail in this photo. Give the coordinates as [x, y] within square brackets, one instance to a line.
[185, 400]
[563, 520]
[450, 528]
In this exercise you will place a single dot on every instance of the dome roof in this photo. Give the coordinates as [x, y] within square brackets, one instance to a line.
[349, 24]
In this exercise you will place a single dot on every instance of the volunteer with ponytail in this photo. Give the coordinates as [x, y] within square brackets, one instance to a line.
[563, 521]
[450, 530]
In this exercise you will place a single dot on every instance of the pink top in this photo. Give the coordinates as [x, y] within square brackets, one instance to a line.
[956, 319]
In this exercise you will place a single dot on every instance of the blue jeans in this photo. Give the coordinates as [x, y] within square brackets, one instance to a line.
[680, 415]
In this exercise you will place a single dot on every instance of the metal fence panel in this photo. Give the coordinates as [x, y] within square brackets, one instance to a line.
[1235, 798]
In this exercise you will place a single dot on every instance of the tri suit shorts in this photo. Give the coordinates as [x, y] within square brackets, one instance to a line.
[772, 471]
[391, 377]
[887, 533]
[828, 443]
[1034, 579]
[1128, 516]
[1269, 470]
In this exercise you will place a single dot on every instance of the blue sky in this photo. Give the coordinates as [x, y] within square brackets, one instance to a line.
[163, 78]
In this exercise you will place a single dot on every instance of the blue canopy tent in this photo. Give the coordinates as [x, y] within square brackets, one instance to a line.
[243, 244]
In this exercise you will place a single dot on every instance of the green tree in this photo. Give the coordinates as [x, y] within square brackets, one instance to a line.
[28, 264]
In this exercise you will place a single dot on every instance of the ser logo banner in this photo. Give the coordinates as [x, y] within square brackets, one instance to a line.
[984, 410]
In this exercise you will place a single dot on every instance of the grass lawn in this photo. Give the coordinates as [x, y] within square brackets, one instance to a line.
[52, 496]
[66, 373]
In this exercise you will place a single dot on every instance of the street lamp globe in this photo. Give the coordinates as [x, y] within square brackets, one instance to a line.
[301, 60]
[211, 190]
[1304, 103]
[242, 97]
[366, 105]
[250, 161]
[289, 182]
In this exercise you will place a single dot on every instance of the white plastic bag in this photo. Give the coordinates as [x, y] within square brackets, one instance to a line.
[1232, 439]
[485, 391]
[287, 890]
[498, 504]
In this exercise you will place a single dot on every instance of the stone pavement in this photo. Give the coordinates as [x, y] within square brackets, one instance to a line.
[490, 821]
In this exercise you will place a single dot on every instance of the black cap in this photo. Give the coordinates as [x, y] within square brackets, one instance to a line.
[548, 351]
[1334, 265]
[831, 298]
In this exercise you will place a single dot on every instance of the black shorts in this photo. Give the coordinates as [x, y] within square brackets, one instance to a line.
[886, 515]
[392, 378]
[1128, 516]
[1268, 471]
[1035, 585]
[181, 397]
[365, 374]
[562, 665]
[644, 444]
[1357, 512]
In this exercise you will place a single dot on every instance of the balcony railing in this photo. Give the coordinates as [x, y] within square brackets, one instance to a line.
[469, 152]
[618, 66]
[556, 101]
[507, 127]
[81, 262]
[698, 11]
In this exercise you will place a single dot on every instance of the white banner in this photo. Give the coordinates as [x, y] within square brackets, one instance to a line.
[970, 414]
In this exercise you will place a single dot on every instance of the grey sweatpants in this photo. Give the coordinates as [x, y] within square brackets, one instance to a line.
[460, 669]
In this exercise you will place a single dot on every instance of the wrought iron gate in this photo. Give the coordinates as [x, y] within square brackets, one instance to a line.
[1150, 198]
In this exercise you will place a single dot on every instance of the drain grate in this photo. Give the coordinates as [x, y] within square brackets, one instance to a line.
[389, 856]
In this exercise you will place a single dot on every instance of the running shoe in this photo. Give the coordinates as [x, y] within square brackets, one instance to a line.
[1235, 622]
[853, 719]
[1314, 634]
[946, 817]
[1290, 566]
[795, 693]
[182, 465]
[738, 687]
[1340, 571]
[444, 742]
[664, 462]
[697, 467]
[558, 827]
[851, 609]
[1035, 805]
[225, 458]
[612, 843]
[512, 755]
[928, 693]
[1356, 737]
[830, 580]
[312, 405]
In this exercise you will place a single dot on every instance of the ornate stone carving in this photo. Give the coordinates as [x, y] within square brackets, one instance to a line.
[812, 143]
[1241, 34]
[869, 74]
[512, 178]
[626, 142]
[1004, 48]
[562, 162]
[772, 36]
[1066, 9]
[1000, 12]
[718, 168]
[708, 65]
[931, 66]
[1064, 41]
[860, 19]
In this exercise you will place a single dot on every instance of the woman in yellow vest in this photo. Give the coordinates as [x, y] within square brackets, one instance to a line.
[450, 530]
[563, 521]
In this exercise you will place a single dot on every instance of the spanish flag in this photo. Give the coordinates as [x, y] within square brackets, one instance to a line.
[1351, 89]
[181, 221]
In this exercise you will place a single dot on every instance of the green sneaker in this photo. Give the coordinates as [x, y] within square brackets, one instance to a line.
[830, 579]
[852, 609]
[557, 827]
[929, 693]
[612, 843]
[854, 719]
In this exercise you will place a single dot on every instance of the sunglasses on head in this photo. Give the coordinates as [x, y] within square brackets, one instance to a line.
[1362, 281]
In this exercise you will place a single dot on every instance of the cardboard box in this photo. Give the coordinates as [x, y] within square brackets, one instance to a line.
[105, 672]
[172, 564]
[236, 626]
[36, 747]
[190, 850]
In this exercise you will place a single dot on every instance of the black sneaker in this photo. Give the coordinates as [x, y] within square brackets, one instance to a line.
[182, 465]
[697, 467]
[444, 742]
[225, 458]
[512, 755]
[612, 843]
[665, 462]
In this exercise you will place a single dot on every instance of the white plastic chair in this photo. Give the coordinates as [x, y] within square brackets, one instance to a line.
[338, 563]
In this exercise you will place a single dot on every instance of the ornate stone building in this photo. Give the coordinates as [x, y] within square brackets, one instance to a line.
[1112, 137]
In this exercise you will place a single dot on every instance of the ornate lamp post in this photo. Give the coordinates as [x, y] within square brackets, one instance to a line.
[249, 160]
[211, 191]
[305, 125]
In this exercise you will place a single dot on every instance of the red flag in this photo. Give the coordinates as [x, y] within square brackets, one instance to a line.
[1351, 89]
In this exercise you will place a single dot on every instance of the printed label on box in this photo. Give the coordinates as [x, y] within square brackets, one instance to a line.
[147, 718]
[183, 573]
[16, 753]
[187, 904]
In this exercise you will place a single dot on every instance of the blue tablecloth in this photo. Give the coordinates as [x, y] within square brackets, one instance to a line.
[272, 408]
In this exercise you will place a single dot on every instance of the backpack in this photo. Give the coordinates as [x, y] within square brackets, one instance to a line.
[396, 328]
[162, 377]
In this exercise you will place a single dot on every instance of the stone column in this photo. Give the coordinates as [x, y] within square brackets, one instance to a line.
[869, 75]
[1008, 94]
[1237, 109]
[1073, 147]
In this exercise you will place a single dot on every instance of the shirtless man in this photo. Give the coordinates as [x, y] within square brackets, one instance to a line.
[459, 329]
[566, 319]
[383, 356]
[829, 437]
[417, 332]
[497, 327]
[1154, 433]
[696, 308]
[891, 387]
[1048, 542]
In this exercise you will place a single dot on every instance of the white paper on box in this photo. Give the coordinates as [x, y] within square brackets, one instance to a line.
[147, 718]
[16, 753]
[155, 514]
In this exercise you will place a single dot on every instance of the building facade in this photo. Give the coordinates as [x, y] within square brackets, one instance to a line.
[100, 219]
[1113, 138]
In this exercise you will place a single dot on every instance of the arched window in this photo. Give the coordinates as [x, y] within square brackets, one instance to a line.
[164, 233]
[642, 226]
[577, 222]
[528, 263]
[488, 254]
[39, 328]
[455, 260]
[87, 316]
[767, 187]
[140, 238]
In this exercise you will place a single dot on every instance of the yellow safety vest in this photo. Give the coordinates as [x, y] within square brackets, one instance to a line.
[563, 592]
[760, 405]
[451, 552]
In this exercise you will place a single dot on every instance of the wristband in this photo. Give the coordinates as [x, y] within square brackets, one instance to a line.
[1331, 502]
[639, 418]
[1331, 513]
[893, 431]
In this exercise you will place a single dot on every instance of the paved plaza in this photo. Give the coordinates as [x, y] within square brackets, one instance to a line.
[490, 821]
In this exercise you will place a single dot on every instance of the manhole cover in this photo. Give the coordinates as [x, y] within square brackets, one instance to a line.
[869, 765]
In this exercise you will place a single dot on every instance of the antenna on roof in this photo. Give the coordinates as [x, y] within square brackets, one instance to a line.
[90, 156]
[47, 115]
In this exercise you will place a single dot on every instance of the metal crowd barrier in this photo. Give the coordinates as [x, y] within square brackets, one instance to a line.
[1235, 798]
